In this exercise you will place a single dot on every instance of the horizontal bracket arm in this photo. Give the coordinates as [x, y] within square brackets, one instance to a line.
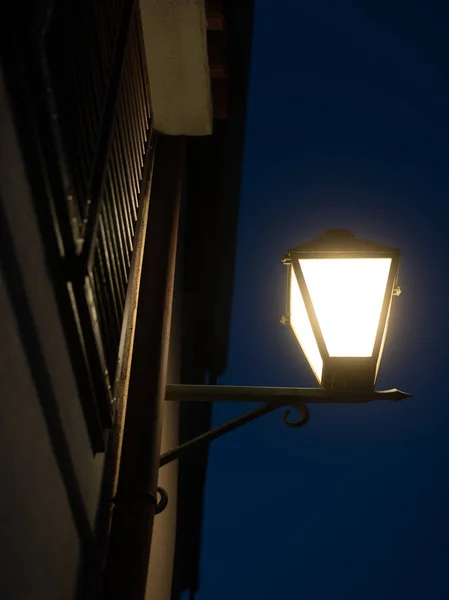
[280, 396]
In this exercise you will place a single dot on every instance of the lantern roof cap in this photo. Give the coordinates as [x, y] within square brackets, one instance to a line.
[341, 240]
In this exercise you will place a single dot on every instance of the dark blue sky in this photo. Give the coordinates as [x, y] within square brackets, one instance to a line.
[348, 126]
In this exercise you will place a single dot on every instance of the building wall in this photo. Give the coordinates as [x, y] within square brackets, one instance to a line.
[50, 477]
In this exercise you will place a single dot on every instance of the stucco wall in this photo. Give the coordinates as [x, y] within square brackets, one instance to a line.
[50, 478]
[175, 39]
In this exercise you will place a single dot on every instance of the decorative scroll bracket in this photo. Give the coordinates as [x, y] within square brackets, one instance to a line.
[208, 436]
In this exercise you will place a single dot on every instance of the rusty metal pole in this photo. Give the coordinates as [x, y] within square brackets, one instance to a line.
[135, 502]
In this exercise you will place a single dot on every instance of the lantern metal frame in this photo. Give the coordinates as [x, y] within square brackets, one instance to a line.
[343, 372]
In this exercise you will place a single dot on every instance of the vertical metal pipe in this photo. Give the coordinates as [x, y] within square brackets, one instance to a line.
[132, 522]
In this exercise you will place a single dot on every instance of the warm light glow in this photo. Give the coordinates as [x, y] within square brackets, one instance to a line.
[300, 324]
[347, 295]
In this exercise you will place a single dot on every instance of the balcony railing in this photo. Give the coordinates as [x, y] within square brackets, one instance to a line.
[111, 247]
[79, 47]
[91, 103]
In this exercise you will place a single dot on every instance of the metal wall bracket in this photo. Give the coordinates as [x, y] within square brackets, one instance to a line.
[273, 398]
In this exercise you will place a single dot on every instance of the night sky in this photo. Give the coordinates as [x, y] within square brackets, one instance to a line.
[347, 126]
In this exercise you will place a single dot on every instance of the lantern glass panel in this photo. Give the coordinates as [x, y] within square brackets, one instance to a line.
[347, 295]
[300, 323]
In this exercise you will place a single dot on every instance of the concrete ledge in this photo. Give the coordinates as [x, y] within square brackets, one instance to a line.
[175, 35]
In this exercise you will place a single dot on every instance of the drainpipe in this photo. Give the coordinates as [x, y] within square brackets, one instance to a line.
[136, 498]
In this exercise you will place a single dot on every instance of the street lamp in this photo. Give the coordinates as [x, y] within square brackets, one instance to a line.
[340, 291]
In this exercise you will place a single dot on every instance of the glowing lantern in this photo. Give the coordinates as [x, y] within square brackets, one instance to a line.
[340, 291]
